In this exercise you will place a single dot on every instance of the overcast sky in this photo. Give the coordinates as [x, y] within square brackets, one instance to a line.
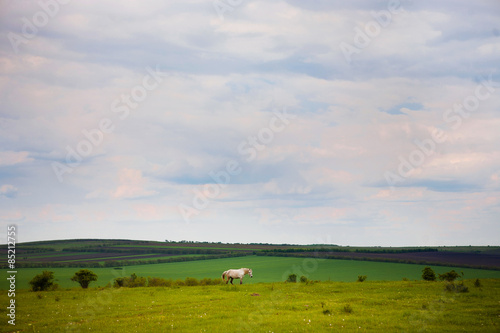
[351, 123]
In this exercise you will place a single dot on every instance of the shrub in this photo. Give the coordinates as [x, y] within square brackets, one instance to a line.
[159, 282]
[428, 274]
[43, 282]
[477, 283]
[131, 282]
[449, 276]
[191, 281]
[303, 279]
[84, 277]
[179, 283]
[136, 281]
[361, 278]
[292, 278]
[210, 282]
[119, 282]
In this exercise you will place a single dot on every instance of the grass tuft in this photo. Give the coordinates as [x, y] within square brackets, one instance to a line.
[347, 308]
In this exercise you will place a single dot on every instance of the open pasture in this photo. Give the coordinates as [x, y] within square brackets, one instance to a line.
[398, 306]
[265, 269]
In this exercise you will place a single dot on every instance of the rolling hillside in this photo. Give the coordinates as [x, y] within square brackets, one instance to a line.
[98, 253]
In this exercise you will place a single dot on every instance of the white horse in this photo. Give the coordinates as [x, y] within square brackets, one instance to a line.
[236, 274]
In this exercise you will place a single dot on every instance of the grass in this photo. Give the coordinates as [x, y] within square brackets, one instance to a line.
[263, 307]
[265, 269]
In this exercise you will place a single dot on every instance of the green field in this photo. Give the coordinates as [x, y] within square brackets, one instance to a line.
[104, 253]
[398, 306]
[265, 269]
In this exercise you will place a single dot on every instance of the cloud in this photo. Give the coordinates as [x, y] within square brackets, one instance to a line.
[222, 81]
[8, 158]
[132, 185]
[8, 191]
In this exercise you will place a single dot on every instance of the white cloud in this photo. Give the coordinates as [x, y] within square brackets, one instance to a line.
[8, 190]
[223, 80]
[13, 157]
[131, 185]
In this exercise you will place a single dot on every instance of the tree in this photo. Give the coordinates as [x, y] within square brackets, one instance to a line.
[361, 278]
[84, 277]
[42, 282]
[449, 276]
[428, 274]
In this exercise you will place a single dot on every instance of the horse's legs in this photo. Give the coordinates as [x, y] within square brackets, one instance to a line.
[231, 280]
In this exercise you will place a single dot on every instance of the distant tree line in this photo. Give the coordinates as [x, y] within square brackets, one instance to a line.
[339, 249]
[25, 250]
[178, 251]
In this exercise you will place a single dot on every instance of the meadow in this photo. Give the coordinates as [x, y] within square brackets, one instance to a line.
[404, 306]
[265, 269]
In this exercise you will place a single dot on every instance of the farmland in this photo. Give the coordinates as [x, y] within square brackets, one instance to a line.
[271, 262]
[263, 307]
[96, 253]
[393, 298]
[265, 269]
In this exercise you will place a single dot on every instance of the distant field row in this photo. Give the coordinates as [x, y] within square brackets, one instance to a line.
[265, 269]
[109, 253]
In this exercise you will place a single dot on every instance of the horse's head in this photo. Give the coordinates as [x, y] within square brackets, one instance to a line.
[250, 273]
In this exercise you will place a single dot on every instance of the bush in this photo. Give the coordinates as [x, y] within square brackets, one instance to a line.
[191, 281]
[477, 283]
[303, 279]
[119, 282]
[43, 282]
[449, 276]
[428, 274]
[179, 283]
[292, 278]
[159, 282]
[361, 278]
[210, 282]
[136, 281]
[131, 282]
[84, 277]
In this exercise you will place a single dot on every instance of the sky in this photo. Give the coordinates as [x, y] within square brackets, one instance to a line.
[280, 121]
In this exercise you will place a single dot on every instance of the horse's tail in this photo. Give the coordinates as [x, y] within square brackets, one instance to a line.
[224, 276]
